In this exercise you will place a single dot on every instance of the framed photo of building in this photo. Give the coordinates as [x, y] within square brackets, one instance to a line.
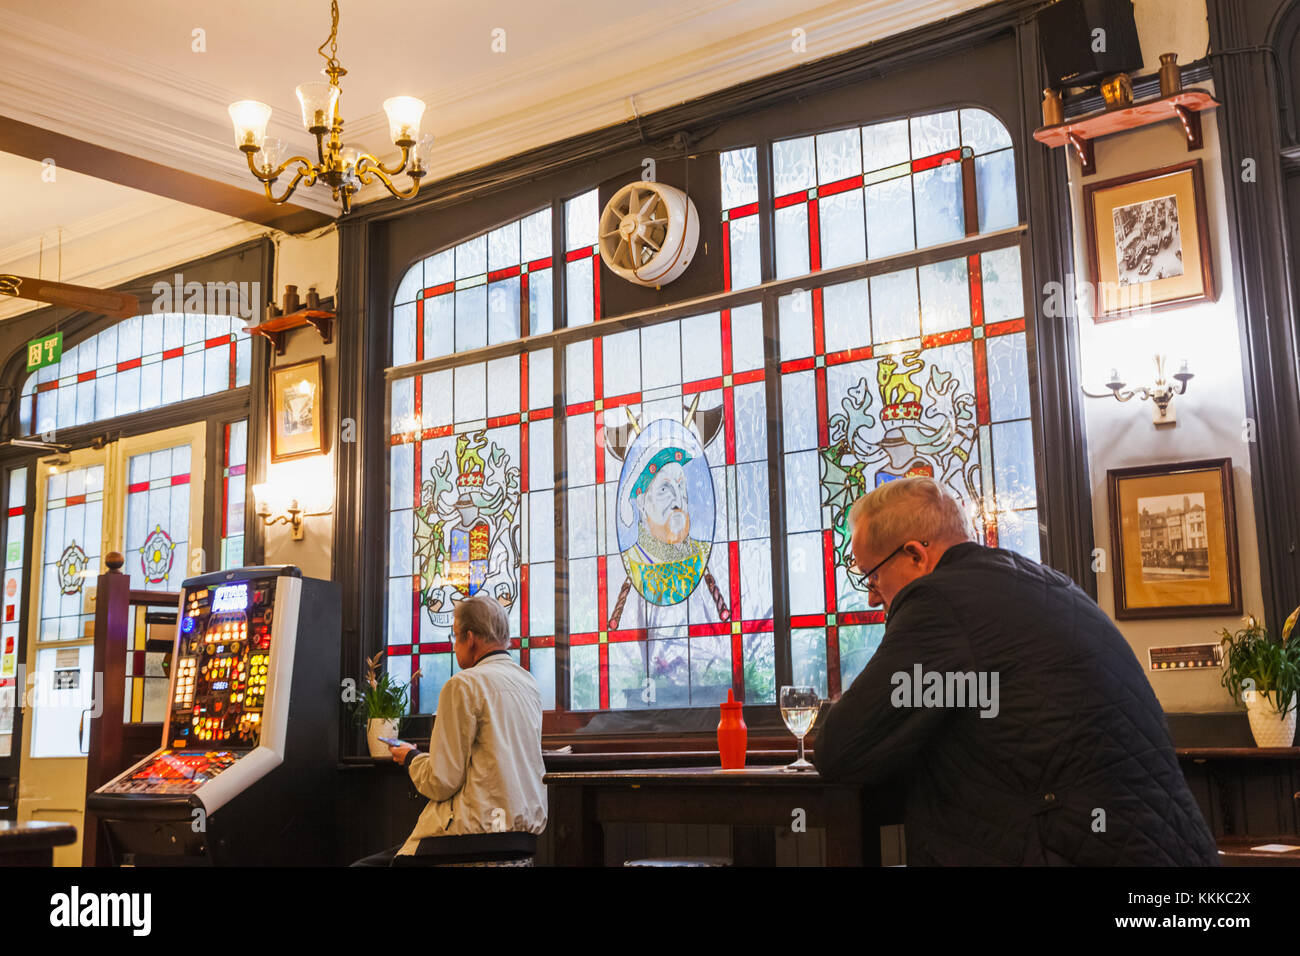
[298, 410]
[1148, 240]
[1174, 540]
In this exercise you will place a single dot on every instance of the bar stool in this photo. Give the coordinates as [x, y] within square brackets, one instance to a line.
[509, 848]
[680, 861]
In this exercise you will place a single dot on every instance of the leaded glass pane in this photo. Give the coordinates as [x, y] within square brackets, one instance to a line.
[74, 511]
[138, 365]
[158, 518]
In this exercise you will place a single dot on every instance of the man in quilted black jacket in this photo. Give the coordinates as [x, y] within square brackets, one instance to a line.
[1002, 698]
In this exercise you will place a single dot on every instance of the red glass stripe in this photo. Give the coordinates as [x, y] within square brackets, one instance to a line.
[173, 353]
[218, 341]
[814, 239]
[602, 589]
[498, 274]
[15, 511]
[842, 186]
[437, 647]
[74, 500]
[400, 650]
[938, 159]
[793, 199]
[442, 289]
[86, 377]
[503, 421]
[738, 666]
[729, 425]
[537, 413]
[539, 264]
[712, 629]
[225, 482]
[631, 398]
[733, 563]
[624, 635]
[756, 627]
[981, 383]
[1005, 328]
[819, 319]
[833, 661]
[604, 676]
[180, 479]
[823, 427]
[749, 209]
[725, 329]
[861, 617]
[523, 591]
[704, 385]
[975, 277]
[138, 487]
[946, 338]
[726, 257]
[808, 620]
[128, 365]
[849, 355]
[753, 375]
[595, 287]
[541, 641]
[574, 255]
[828, 560]
[578, 640]
[798, 365]
[236, 469]
[580, 408]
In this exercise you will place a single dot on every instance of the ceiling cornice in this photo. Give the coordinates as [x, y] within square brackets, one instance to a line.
[71, 84]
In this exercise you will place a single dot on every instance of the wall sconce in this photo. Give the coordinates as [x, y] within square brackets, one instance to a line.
[294, 491]
[1161, 393]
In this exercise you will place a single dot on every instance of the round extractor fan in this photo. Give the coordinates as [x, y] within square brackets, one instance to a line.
[648, 233]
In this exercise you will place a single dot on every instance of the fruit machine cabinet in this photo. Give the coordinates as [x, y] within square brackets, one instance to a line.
[247, 770]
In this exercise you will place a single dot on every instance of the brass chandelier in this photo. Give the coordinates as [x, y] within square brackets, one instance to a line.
[342, 167]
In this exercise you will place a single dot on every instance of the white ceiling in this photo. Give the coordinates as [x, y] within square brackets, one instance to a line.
[124, 74]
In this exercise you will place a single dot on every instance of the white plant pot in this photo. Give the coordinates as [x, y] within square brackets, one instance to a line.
[1270, 728]
[377, 727]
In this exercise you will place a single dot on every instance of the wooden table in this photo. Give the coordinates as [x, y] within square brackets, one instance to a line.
[33, 843]
[752, 800]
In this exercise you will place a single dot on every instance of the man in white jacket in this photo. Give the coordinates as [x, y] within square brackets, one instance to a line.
[483, 772]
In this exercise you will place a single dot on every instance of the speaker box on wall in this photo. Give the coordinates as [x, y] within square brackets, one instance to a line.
[1075, 53]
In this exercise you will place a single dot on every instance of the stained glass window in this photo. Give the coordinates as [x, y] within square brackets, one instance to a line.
[233, 486]
[158, 518]
[666, 588]
[917, 372]
[11, 626]
[879, 190]
[490, 289]
[471, 509]
[137, 365]
[669, 572]
[74, 516]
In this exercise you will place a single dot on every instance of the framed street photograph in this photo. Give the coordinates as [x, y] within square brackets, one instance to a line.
[1148, 240]
[1173, 532]
[298, 410]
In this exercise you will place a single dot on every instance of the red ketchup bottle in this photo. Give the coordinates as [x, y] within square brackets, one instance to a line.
[732, 734]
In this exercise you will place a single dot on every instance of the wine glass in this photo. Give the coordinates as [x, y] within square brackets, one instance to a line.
[799, 710]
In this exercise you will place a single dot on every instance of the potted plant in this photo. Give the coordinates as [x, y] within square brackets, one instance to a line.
[1265, 675]
[382, 706]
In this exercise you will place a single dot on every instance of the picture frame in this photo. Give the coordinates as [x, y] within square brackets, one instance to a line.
[1148, 241]
[1173, 531]
[297, 410]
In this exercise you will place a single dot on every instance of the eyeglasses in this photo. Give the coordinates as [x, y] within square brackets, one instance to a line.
[872, 573]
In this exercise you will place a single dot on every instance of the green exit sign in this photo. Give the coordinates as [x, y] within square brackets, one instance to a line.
[44, 351]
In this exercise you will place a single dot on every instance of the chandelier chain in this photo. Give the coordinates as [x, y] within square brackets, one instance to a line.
[333, 39]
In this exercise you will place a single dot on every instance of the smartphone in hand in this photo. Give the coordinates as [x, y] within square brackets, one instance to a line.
[393, 742]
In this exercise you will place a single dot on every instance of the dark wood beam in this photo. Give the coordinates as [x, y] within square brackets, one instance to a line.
[33, 142]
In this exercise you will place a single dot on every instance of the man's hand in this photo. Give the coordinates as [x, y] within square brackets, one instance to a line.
[399, 753]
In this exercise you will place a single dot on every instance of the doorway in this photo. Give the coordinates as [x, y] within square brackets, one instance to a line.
[143, 497]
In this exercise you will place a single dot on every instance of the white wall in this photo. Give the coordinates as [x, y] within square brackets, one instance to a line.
[1211, 414]
[307, 262]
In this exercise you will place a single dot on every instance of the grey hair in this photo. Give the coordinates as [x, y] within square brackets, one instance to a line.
[909, 509]
[485, 617]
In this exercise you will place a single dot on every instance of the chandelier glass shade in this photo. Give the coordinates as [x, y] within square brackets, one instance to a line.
[343, 167]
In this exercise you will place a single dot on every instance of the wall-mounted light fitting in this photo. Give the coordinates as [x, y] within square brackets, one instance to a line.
[292, 515]
[296, 490]
[1161, 393]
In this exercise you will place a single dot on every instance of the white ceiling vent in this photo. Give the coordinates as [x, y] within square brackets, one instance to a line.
[648, 233]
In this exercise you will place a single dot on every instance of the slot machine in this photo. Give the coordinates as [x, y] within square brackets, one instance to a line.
[248, 764]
